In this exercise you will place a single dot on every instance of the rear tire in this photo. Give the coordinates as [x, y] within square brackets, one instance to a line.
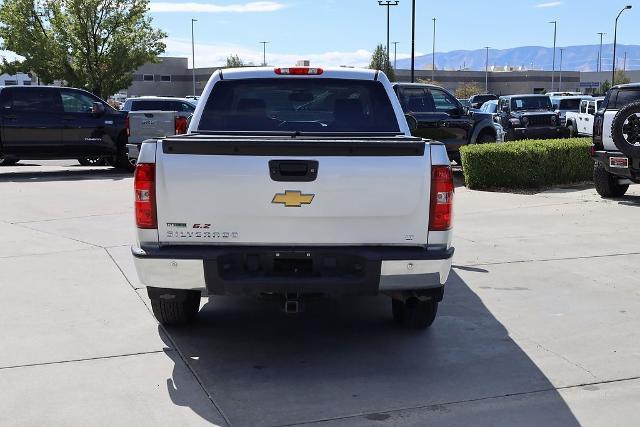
[414, 314]
[121, 159]
[606, 183]
[486, 138]
[176, 308]
[8, 160]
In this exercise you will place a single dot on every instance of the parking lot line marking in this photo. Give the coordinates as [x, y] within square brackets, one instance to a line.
[59, 362]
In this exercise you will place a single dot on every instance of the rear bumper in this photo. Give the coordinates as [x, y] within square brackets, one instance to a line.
[228, 270]
[632, 172]
[540, 132]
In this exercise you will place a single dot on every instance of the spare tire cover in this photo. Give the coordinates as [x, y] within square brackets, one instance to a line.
[625, 130]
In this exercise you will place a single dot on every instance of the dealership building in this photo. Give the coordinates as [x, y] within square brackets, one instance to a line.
[171, 76]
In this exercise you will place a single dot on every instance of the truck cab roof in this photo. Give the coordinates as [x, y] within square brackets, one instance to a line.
[298, 72]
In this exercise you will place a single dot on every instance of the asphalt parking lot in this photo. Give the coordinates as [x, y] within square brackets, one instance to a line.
[539, 326]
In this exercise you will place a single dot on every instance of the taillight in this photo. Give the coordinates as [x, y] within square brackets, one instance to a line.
[181, 125]
[126, 126]
[442, 189]
[598, 124]
[144, 184]
[299, 71]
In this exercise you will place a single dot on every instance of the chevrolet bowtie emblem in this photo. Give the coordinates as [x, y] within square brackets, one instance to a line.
[292, 199]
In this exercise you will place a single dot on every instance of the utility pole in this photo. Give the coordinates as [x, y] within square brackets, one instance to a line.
[486, 71]
[599, 66]
[413, 40]
[264, 53]
[193, 57]
[553, 67]
[395, 54]
[624, 64]
[433, 54]
[615, 40]
[560, 85]
[388, 5]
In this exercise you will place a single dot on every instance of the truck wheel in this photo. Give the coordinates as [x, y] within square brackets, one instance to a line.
[92, 161]
[8, 160]
[176, 308]
[625, 129]
[414, 314]
[486, 138]
[572, 129]
[121, 159]
[606, 183]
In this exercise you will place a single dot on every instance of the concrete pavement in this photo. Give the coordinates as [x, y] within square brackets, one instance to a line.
[539, 324]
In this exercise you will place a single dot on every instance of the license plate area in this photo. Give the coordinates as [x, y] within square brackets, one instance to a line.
[619, 162]
[289, 264]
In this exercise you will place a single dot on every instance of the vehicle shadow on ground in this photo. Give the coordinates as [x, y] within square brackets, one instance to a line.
[346, 359]
[75, 174]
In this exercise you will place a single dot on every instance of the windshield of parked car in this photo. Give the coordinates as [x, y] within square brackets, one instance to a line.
[295, 104]
[572, 104]
[531, 103]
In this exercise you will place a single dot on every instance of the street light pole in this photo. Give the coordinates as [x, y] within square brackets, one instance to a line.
[486, 71]
[395, 54]
[388, 5]
[433, 53]
[193, 57]
[264, 53]
[560, 84]
[615, 40]
[599, 67]
[413, 40]
[553, 67]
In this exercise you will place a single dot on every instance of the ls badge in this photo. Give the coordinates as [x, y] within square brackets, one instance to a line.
[292, 199]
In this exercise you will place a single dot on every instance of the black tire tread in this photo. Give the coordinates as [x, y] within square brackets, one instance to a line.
[419, 317]
[176, 313]
[616, 130]
[607, 184]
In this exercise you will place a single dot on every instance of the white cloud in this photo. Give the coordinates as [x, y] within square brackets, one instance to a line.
[210, 55]
[256, 6]
[549, 4]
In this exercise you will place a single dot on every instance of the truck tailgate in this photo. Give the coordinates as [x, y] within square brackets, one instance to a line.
[150, 124]
[230, 190]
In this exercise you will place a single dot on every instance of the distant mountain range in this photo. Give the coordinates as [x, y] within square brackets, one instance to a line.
[574, 58]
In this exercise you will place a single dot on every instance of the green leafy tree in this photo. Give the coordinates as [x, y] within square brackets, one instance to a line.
[380, 61]
[604, 86]
[622, 78]
[467, 90]
[91, 44]
[234, 61]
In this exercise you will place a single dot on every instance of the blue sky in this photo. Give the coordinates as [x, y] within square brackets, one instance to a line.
[336, 32]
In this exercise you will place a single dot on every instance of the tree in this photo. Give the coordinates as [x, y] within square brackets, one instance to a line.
[380, 61]
[622, 78]
[604, 86]
[467, 90]
[234, 61]
[92, 44]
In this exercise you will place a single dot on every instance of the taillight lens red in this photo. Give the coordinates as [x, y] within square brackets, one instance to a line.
[442, 189]
[144, 184]
[181, 125]
[126, 125]
[299, 71]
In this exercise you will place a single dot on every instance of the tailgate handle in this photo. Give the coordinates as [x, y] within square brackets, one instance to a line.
[293, 170]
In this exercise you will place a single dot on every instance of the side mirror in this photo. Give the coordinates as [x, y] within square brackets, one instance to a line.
[97, 108]
[411, 122]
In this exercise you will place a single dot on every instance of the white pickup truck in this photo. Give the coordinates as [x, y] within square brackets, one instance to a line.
[580, 123]
[290, 182]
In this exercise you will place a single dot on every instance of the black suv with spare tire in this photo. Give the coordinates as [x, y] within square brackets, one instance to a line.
[616, 141]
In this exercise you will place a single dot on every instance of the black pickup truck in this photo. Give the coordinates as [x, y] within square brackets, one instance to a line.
[45, 122]
[441, 117]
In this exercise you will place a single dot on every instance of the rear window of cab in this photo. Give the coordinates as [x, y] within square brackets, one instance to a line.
[295, 104]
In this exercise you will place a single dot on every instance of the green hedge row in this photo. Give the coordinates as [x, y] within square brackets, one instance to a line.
[527, 164]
